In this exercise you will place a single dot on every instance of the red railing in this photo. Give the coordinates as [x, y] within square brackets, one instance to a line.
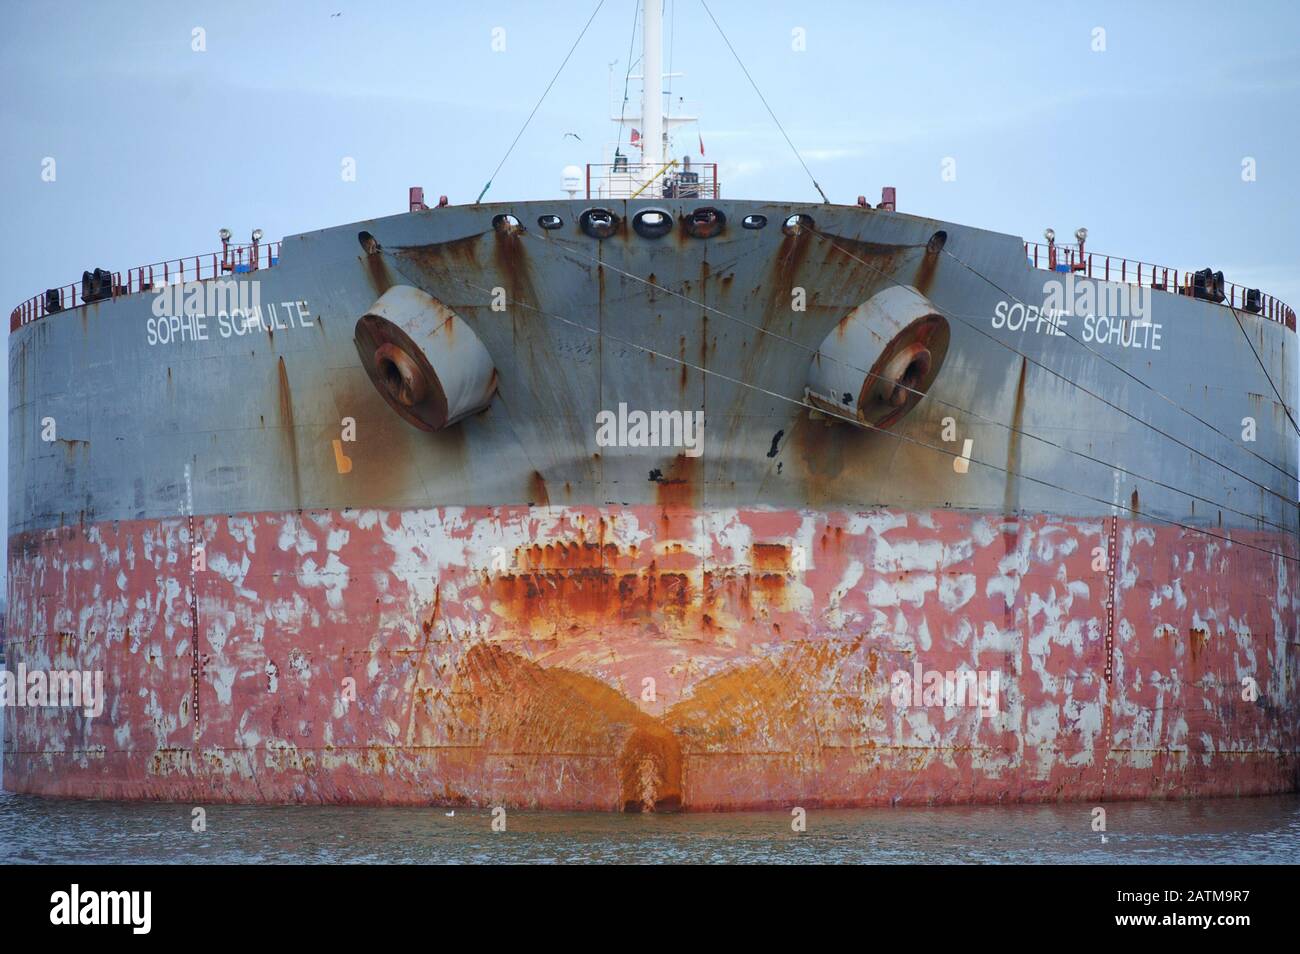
[1068, 259]
[622, 180]
[235, 260]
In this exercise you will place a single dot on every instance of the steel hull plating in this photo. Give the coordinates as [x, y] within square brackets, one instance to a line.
[502, 657]
[506, 612]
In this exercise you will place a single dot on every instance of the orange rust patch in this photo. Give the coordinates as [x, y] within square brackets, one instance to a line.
[515, 705]
[771, 557]
[377, 272]
[771, 585]
[832, 539]
[590, 595]
[764, 706]
[562, 555]
[537, 495]
[650, 770]
[510, 704]
[289, 430]
[790, 256]
[461, 251]
[679, 486]
[729, 592]
[1010, 494]
[924, 276]
[508, 253]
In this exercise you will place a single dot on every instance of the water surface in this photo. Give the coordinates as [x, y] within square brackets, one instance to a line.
[1212, 831]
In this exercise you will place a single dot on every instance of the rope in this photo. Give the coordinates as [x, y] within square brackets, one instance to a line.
[854, 421]
[870, 374]
[1260, 362]
[600, 4]
[764, 100]
[627, 78]
[1066, 378]
[1129, 374]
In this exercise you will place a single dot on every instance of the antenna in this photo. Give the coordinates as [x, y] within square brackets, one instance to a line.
[571, 180]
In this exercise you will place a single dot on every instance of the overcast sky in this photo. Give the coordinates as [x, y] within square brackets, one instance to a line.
[158, 145]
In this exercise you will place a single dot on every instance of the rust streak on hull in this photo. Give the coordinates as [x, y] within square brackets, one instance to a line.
[652, 658]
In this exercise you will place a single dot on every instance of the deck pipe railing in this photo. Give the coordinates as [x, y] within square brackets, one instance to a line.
[1070, 260]
[232, 260]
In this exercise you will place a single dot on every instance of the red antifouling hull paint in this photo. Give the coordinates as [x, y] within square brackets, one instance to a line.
[651, 657]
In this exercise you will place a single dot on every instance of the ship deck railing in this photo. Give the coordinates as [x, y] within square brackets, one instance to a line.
[241, 259]
[234, 261]
[669, 180]
[1069, 259]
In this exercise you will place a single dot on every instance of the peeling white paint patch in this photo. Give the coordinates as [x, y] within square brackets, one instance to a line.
[852, 574]
[333, 577]
[910, 589]
[956, 591]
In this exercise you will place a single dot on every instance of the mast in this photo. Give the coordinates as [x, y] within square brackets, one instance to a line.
[652, 86]
[616, 177]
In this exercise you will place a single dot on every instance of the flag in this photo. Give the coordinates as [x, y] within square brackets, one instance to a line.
[636, 137]
[701, 144]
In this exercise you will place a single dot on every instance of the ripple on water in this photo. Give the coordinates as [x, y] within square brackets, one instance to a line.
[1211, 831]
[1248, 830]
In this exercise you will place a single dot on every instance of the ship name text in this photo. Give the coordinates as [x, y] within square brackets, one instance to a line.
[1111, 330]
[195, 311]
[274, 316]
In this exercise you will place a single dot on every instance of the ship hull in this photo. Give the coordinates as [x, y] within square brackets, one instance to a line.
[294, 595]
[655, 658]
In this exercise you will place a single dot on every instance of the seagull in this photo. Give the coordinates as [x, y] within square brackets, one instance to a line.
[333, 15]
[574, 135]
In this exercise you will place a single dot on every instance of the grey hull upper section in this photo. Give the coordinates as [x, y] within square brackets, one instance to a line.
[245, 420]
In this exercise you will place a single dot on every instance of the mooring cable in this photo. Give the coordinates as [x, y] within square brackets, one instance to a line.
[1011, 472]
[600, 4]
[741, 63]
[870, 374]
[1067, 379]
[1129, 374]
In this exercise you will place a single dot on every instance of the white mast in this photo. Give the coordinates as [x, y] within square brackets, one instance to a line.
[652, 87]
[613, 179]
